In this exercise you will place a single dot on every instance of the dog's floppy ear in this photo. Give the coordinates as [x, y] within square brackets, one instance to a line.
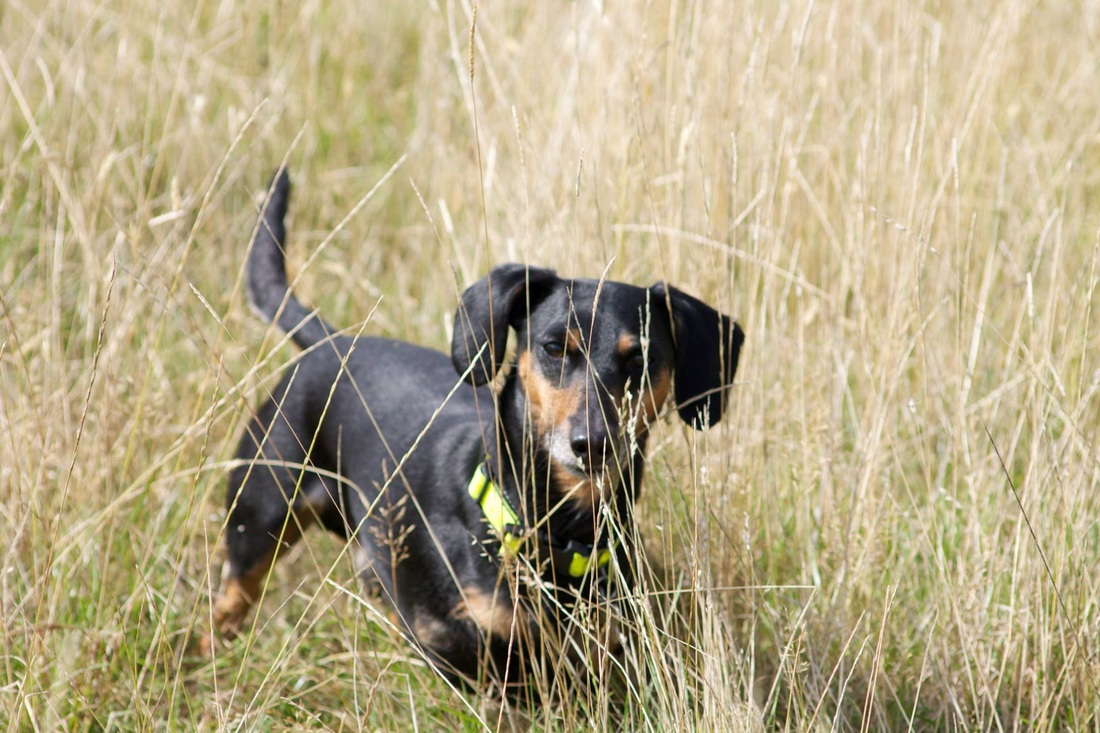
[488, 307]
[707, 344]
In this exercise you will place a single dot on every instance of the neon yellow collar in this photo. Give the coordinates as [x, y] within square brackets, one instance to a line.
[575, 557]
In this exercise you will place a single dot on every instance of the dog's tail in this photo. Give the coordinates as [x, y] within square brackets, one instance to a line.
[267, 284]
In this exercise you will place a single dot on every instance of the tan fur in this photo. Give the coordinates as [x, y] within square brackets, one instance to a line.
[551, 406]
[573, 340]
[493, 614]
[582, 491]
[626, 344]
[430, 632]
[657, 390]
[240, 593]
[243, 592]
[653, 399]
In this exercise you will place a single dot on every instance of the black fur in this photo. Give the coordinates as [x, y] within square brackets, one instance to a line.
[377, 440]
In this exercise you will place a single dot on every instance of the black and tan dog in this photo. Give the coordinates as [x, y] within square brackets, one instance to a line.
[440, 480]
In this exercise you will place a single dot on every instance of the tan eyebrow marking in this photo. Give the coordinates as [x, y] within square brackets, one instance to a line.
[573, 340]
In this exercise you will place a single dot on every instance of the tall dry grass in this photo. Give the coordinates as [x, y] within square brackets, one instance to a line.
[896, 525]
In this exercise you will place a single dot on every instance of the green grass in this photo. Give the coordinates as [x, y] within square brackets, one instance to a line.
[899, 202]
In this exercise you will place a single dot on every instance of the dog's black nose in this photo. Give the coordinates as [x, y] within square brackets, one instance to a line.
[579, 444]
[590, 446]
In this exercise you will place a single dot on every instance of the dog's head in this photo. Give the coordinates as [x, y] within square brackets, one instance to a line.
[597, 360]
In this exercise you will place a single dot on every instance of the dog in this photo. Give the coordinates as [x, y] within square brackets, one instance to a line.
[444, 471]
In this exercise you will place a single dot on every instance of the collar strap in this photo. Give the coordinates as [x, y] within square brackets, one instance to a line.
[575, 557]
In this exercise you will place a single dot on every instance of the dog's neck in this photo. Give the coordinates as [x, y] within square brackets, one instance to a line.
[524, 470]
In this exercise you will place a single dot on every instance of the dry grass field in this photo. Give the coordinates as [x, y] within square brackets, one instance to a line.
[897, 524]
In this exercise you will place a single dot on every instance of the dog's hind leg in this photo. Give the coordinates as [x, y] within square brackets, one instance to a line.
[274, 494]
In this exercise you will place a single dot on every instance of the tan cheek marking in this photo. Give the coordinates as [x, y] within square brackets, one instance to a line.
[492, 614]
[550, 406]
[653, 399]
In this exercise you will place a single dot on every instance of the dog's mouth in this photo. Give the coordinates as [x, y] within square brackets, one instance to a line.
[599, 468]
[585, 471]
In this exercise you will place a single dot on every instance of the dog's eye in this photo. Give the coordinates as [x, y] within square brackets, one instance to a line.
[636, 360]
[554, 349]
